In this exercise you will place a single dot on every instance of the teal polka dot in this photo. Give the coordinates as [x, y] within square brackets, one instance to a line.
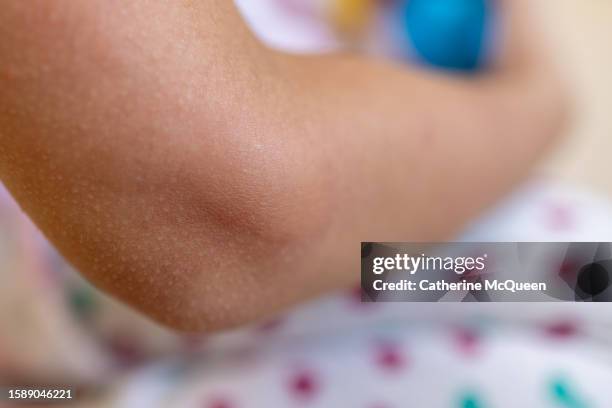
[470, 400]
[82, 301]
[564, 395]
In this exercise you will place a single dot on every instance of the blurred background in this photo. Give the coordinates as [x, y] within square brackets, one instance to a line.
[582, 33]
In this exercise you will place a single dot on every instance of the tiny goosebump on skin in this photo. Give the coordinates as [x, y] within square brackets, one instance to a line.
[132, 276]
[155, 200]
[145, 282]
[86, 204]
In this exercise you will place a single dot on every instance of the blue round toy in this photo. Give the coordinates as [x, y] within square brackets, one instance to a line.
[450, 34]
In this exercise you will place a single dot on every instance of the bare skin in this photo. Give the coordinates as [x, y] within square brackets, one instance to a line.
[209, 181]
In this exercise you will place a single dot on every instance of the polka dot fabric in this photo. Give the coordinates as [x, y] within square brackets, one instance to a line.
[392, 361]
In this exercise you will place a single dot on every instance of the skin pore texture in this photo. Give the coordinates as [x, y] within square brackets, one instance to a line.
[208, 181]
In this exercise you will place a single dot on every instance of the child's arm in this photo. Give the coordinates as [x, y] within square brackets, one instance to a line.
[207, 180]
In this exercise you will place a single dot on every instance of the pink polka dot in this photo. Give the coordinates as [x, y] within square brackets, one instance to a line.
[467, 340]
[355, 294]
[271, 325]
[125, 348]
[559, 217]
[568, 269]
[218, 403]
[304, 384]
[389, 357]
[562, 329]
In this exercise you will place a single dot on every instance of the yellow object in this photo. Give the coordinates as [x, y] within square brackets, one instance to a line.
[352, 16]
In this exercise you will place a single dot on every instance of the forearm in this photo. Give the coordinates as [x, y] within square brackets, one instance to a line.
[402, 144]
[409, 155]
